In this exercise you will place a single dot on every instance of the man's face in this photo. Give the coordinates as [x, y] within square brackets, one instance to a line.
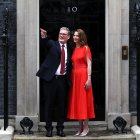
[63, 36]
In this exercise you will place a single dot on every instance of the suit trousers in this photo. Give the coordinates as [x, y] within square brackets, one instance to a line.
[55, 94]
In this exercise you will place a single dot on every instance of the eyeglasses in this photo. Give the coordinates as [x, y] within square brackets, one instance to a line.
[63, 34]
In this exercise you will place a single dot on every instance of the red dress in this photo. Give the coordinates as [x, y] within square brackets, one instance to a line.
[80, 101]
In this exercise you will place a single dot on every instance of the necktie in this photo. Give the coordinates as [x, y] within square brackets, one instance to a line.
[62, 70]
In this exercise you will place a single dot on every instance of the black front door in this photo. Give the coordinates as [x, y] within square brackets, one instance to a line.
[90, 16]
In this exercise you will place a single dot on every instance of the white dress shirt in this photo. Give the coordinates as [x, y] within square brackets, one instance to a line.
[59, 67]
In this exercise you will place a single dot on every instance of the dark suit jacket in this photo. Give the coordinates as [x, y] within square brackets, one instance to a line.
[49, 66]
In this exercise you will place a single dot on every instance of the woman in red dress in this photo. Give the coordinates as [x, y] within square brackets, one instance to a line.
[81, 101]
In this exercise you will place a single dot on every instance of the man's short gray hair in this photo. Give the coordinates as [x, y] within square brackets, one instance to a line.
[65, 28]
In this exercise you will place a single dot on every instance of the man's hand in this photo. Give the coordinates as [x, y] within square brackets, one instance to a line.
[43, 33]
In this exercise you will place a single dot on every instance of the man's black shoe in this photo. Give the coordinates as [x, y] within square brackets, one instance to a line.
[49, 133]
[60, 133]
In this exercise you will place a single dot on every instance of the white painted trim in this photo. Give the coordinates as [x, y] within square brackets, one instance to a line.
[38, 91]
[6, 134]
[106, 58]
[136, 130]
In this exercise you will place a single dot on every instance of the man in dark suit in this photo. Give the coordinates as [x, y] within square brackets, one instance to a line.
[54, 72]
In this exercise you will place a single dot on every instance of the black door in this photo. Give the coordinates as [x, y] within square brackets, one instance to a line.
[90, 16]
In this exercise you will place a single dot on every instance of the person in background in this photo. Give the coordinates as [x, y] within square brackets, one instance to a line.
[80, 100]
[54, 72]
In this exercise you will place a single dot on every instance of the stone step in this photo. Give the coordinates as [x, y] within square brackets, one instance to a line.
[98, 131]
[73, 126]
[93, 135]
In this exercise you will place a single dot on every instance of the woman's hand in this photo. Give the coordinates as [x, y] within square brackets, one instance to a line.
[88, 84]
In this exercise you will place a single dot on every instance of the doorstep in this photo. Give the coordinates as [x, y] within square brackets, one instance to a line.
[93, 135]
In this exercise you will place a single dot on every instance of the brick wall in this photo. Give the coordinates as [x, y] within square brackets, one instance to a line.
[133, 59]
[11, 5]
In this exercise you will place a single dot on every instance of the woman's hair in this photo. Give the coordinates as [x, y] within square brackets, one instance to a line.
[82, 37]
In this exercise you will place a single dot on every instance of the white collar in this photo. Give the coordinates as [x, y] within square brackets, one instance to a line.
[63, 44]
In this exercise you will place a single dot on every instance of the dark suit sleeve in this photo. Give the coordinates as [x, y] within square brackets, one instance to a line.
[43, 50]
[45, 45]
